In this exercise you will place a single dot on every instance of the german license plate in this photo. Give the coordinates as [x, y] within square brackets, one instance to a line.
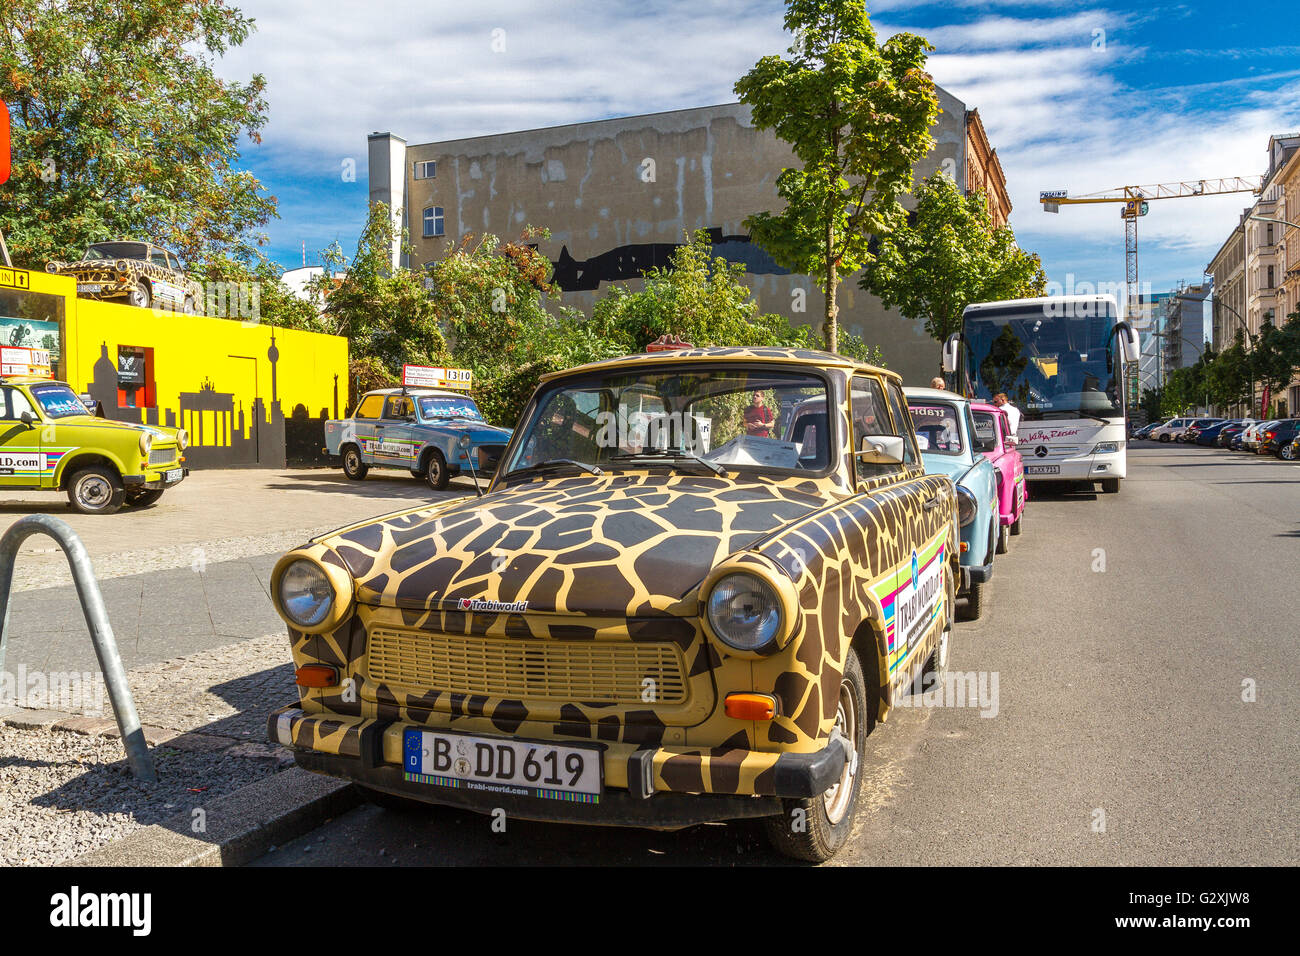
[492, 765]
[89, 287]
[1042, 469]
[172, 475]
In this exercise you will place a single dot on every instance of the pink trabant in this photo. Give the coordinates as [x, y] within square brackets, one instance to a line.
[994, 439]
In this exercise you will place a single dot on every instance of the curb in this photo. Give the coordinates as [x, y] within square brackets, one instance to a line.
[240, 826]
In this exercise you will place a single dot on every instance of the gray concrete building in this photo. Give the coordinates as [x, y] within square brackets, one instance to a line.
[618, 195]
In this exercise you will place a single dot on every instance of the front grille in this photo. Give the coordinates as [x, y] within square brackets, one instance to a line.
[162, 456]
[528, 669]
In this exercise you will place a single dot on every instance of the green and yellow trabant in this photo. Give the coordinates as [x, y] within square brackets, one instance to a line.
[678, 602]
[49, 441]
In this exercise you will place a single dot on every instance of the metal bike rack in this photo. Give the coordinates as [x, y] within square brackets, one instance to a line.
[101, 632]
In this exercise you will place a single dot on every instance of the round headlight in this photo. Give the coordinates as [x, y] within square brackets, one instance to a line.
[146, 443]
[744, 611]
[121, 265]
[966, 507]
[182, 439]
[306, 594]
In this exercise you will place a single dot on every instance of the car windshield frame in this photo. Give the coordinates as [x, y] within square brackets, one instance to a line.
[464, 403]
[623, 380]
[119, 246]
[914, 402]
[63, 410]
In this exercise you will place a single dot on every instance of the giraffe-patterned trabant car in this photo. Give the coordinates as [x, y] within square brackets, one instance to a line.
[667, 609]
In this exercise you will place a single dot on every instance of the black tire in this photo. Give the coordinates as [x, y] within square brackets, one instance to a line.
[391, 801]
[353, 467]
[1004, 538]
[142, 499]
[1287, 452]
[140, 295]
[437, 474]
[1016, 526]
[814, 829]
[96, 490]
[974, 601]
[1165, 437]
[1110, 486]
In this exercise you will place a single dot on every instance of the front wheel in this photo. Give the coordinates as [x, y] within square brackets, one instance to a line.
[96, 491]
[438, 474]
[1164, 438]
[353, 466]
[140, 296]
[974, 601]
[1110, 486]
[1287, 453]
[816, 828]
[142, 499]
[1016, 526]
[1004, 538]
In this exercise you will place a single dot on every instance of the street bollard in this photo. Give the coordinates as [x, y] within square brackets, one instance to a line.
[101, 632]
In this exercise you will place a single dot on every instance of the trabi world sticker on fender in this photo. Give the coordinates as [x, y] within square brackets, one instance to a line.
[500, 607]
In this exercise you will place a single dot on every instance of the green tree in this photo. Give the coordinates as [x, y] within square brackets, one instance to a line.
[123, 128]
[948, 255]
[277, 304]
[858, 116]
[1228, 378]
[1277, 354]
[386, 313]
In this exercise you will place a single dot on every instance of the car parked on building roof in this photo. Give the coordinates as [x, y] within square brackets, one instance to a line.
[945, 432]
[136, 271]
[50, 441]
[662, 612]
[436, 434]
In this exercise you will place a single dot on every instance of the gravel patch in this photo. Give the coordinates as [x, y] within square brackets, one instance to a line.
[63, 794]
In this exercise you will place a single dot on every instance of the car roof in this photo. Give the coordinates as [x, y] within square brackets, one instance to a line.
[415, 391]
[813, 357]
[916, 391]
[29, 380]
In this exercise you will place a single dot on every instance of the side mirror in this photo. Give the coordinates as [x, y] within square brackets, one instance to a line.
[950, 351]
[881, 449]
[27, 419]
[1129, 347]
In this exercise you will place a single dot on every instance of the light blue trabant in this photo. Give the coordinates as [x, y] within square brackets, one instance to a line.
[435, 433]
[945, 432]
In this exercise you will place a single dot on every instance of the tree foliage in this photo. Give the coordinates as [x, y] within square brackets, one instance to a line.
[858, 116]
[948, 255]
[123, 129]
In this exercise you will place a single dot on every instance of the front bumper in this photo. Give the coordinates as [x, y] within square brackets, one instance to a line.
[644, 786]
[153, 480]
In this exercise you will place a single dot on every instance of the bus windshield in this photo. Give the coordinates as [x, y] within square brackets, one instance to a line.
[1052, 363]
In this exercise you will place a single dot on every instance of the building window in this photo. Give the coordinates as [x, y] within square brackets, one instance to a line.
[1270, 278]
[426, 170]
[433, 221]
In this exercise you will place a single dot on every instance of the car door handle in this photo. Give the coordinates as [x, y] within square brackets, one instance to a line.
[932, 502]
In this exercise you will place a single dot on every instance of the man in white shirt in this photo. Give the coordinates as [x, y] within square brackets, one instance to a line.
[1013, 413]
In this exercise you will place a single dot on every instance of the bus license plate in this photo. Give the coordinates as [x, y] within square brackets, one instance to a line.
[1042, 469]
[492, 765]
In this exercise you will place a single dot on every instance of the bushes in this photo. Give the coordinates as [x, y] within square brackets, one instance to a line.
[502, 399]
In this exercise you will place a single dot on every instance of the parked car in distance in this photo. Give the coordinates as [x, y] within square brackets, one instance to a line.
[647, 620]
[419, 429]
[1191, 431]
[1206, 436]
[1146, 430]
[993, 438]
[1223, 436]
[945, 432]
[1290, 452]
[1278, 435]
[1170, 429]
[1251, 436]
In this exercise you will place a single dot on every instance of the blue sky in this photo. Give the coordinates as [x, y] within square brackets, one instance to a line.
[1078, 95]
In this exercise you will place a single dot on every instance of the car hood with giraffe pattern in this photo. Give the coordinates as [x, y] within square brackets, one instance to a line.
[630, 544]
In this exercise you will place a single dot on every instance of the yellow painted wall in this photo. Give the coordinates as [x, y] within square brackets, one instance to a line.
[189, 351]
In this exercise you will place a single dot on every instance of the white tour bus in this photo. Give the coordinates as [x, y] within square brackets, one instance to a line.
[1061, 361]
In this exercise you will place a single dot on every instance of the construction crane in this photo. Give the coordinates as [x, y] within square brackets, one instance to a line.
[1135, 200]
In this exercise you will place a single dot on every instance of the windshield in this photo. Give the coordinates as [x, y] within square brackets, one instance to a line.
[986, 431]
[1051, 365]
[728, 415]
[58, 401]
[936, 427]
[447, 406]
[117, 250]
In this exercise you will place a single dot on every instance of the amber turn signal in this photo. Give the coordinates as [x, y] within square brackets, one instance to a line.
[750, 706]
[316, 675]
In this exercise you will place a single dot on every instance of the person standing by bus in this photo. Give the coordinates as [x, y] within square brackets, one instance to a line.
[1013, 413]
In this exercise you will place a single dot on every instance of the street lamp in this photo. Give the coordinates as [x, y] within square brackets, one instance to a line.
[1245, 341]
[1285, 222]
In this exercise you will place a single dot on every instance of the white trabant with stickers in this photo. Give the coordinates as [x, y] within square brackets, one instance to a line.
[428, 426]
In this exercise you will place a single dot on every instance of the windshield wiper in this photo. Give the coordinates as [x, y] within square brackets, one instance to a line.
[561, 463]
[673, 455]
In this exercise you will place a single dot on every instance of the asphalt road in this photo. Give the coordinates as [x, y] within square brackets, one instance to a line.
[1121, 629]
